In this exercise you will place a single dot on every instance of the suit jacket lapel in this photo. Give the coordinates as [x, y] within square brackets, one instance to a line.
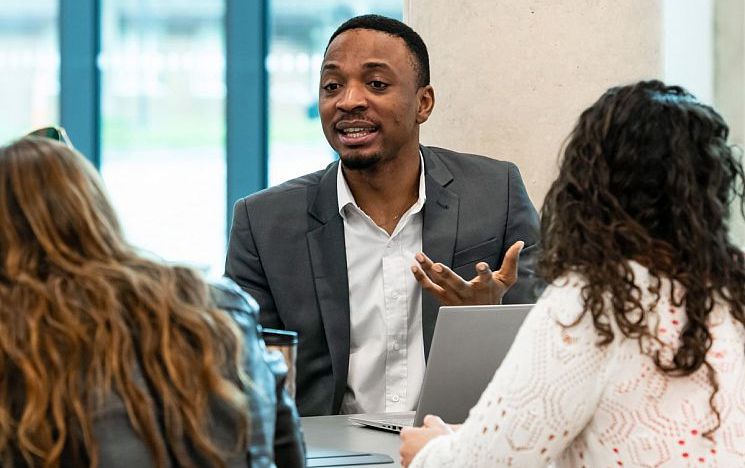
[439, 230]
[329, 264]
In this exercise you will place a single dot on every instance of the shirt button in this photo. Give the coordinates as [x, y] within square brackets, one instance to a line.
[396, 347]
[395, 398]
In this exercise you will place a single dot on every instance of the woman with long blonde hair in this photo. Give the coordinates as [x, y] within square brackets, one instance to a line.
[109, 358]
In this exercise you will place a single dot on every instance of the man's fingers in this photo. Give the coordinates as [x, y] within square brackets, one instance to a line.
[483, 272]
[508, 269]
[439, 280]
[438, 272]
[448, 279]
[424, 261]
[427, 283]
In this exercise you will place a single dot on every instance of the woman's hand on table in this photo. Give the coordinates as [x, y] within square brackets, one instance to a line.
[414, 438]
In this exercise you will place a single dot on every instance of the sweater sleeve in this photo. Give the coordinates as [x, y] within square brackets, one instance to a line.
[541, 397]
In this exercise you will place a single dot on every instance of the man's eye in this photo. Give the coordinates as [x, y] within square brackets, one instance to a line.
[378, 84]
[331, 87]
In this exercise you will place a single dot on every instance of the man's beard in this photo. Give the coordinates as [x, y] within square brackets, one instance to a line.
[356, 162]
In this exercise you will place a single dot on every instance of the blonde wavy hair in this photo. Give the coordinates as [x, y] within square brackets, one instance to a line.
[81, 310]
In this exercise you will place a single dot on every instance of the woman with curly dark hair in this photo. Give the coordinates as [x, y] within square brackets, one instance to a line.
[635, 353]
[109, 358]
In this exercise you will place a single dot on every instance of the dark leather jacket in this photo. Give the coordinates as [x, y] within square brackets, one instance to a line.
[275, 435]
[275, 428]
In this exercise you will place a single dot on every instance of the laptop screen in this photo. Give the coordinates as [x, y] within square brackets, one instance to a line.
[468, 346]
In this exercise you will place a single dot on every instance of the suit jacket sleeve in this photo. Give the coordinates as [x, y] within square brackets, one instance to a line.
[243, 265]
[522, 224]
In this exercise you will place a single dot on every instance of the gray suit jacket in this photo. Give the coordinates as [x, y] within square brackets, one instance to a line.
[287, 251]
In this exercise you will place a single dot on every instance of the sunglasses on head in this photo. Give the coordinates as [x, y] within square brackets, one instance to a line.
[54, 133]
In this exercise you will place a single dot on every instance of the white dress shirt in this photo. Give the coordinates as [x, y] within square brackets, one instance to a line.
[386, 349]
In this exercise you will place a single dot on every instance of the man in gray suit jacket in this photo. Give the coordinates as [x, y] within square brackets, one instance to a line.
[329, 254]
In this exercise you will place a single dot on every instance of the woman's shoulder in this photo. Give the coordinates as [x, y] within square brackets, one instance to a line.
[566, 294]
[228, 296]
[236, 303]
[562, 299]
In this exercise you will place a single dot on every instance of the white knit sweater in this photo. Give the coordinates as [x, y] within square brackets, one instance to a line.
[559, 398]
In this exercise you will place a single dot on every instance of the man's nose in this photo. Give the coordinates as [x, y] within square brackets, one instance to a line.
[352, 98]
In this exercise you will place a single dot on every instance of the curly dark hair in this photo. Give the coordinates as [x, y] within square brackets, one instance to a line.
[647, 175]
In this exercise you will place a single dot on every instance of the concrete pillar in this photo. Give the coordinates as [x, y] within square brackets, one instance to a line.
[729, 81]
[729, 65]
[511, 77]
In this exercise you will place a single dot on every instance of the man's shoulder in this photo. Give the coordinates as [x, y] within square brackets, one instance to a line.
[293, 189]
[451, 157]
[468, 162]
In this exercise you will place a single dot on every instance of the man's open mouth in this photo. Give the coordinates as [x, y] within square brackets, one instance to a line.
[356, 134]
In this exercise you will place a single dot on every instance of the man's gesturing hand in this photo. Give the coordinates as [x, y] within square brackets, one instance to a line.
[487, 287]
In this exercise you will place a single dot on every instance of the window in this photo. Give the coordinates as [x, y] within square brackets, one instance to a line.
[163, 156]
[29, 66]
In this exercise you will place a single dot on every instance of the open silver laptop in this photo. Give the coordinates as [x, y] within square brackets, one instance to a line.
[468, 346]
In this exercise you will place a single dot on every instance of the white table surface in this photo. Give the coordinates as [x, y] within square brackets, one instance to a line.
[338, 433]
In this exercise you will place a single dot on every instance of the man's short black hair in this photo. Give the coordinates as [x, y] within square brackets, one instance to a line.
[395, 28]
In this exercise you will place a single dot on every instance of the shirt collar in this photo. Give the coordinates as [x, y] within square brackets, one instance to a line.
[345, 197]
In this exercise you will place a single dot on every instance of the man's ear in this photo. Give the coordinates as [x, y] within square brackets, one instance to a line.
[426, 97]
